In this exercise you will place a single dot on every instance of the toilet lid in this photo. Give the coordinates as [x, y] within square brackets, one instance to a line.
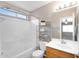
[38, 53]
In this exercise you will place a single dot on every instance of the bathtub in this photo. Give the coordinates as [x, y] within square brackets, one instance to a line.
[24, 54]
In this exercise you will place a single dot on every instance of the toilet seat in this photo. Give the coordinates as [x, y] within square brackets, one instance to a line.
[38, 53]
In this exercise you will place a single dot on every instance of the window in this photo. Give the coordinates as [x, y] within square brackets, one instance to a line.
[5, 11]
[21, 16]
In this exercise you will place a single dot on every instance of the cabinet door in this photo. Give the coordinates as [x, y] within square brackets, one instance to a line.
[51, 55]
[58, 53]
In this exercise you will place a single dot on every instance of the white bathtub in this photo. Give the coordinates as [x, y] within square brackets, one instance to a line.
[24, 54]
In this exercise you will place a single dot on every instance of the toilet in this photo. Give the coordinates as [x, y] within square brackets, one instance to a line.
[40, 52]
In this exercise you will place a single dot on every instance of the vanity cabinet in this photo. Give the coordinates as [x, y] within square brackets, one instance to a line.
[55, 53]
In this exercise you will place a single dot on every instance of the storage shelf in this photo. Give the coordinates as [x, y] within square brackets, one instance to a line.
[45, 31]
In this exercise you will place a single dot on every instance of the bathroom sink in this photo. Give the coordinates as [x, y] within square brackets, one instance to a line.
[67, 46]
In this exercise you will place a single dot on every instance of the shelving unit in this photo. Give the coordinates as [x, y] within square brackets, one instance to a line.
[44, 30]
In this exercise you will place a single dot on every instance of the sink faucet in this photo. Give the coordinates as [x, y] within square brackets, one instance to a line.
[63, 42]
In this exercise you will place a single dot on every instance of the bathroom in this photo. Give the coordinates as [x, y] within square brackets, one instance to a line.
[39, 29]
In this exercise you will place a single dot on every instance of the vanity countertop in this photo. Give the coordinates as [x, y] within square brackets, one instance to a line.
[68, 46]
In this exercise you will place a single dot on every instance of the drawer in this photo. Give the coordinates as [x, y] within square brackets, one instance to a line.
[59, 53]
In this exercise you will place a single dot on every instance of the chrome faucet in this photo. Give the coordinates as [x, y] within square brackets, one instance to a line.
[63, 42]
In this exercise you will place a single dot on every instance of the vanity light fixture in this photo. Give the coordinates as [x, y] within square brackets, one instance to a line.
[66, 5]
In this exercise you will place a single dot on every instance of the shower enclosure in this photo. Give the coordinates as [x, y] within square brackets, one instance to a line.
[17, 37]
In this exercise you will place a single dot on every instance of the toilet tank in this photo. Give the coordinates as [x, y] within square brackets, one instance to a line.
[43, 45]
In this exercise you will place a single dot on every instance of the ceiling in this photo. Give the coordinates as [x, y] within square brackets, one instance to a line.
[28, 5]
[39, 9]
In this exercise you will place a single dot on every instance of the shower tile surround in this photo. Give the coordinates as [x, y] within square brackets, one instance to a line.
[18, 38]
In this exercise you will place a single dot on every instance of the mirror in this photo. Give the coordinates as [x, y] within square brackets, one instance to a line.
[67, 28]
[64, 24]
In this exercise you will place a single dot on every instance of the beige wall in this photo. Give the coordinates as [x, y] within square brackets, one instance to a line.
[56, 21]
[46, 10]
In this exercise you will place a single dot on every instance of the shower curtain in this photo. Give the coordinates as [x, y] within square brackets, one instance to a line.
[16, 36]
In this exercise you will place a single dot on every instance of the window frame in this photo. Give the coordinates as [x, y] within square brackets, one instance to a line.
[15, 16]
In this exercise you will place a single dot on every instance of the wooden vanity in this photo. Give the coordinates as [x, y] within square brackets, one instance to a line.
[55, 53]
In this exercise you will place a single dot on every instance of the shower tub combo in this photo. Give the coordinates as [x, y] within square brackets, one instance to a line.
[17, 38]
